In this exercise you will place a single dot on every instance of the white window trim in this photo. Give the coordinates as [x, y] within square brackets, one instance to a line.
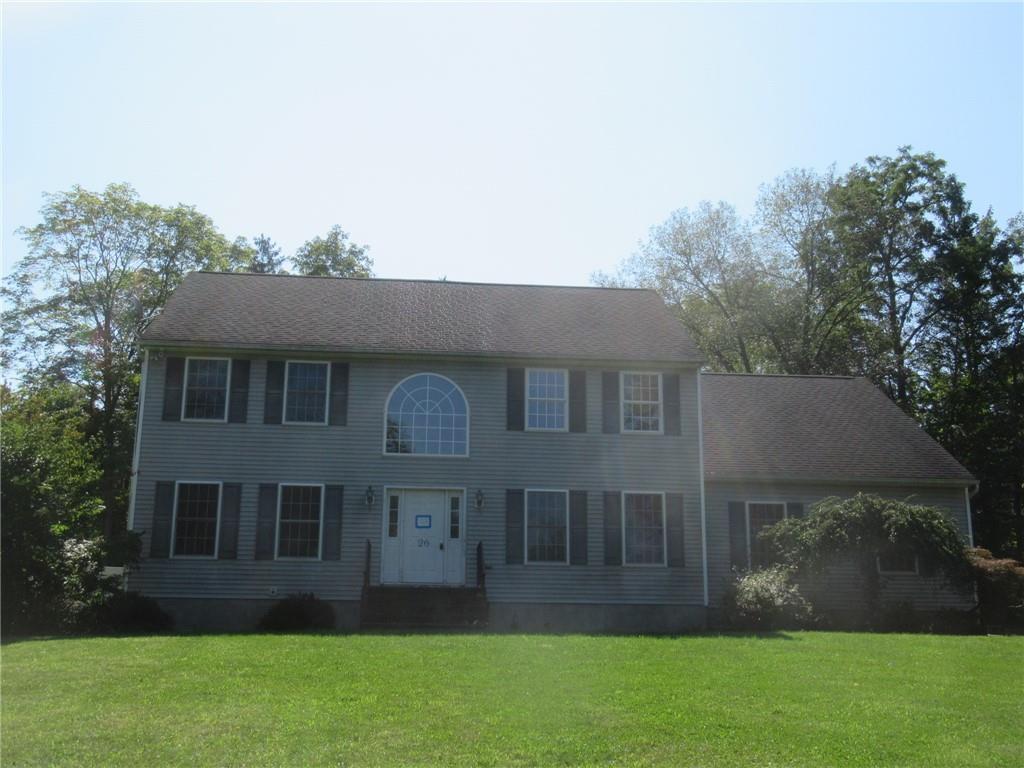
[622, 403]
[565, 401]
[327, 396]
[750, 538]
[277, 526]
[174, 518]
[526, 525]
[915, 572]
[384, 421]
[227, 392]
[664, 529]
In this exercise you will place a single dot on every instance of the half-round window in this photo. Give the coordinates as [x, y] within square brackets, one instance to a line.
[427, 414]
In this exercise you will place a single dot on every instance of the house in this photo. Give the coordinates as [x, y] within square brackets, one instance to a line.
[532, 454]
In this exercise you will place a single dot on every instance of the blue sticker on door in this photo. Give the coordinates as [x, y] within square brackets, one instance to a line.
[423, 521]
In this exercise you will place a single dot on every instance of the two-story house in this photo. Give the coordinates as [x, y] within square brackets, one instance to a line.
[542, 449]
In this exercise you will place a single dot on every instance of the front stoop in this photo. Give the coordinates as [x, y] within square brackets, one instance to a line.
[413, 608]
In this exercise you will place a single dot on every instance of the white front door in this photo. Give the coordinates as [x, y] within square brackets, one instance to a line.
[422, 537]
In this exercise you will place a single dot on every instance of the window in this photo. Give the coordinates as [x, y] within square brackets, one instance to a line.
[196, 513]
[206, 389]
[546, 399]
[305, 393]
[761, 515]
[641, 402]
[427, 415]
[393, 517]
[454, 523]
[643, 529]
[547, 526]
[298, 520]
[897, 560]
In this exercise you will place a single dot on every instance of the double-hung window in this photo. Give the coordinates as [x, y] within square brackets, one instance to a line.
[305, 392]
[206, 389]
[547, 526]
[299, 520]
[643, 529]
[547, 399]
[761, 515]
[641, 402]
[196, 518]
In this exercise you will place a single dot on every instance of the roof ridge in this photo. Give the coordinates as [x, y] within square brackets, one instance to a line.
[424, 280]
[784, 375]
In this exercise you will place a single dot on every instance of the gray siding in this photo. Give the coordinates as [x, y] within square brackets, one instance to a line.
[839, 588]
[254, 453]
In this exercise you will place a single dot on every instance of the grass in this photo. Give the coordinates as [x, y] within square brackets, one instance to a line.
[809, 698]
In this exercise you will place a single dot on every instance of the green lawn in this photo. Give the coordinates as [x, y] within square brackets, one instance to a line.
[792, 699]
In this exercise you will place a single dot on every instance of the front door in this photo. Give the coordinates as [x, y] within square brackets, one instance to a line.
[422, 537]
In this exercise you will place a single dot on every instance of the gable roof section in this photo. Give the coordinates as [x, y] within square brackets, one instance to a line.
[268, 312]
[814, 428]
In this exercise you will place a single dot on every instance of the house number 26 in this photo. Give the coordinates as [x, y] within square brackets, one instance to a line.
[422, 542]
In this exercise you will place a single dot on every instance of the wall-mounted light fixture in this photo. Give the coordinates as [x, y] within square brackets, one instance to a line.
[369, 496]
[479, 498]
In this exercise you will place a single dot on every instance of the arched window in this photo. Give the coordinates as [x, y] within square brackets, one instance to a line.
[427, 414]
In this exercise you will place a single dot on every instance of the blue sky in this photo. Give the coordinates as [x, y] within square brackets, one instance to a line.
[533, 143]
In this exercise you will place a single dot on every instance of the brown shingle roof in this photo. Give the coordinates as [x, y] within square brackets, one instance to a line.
[814, 428]
[420, 317]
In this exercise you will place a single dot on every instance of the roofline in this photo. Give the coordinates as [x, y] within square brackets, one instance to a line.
[842, 377]
[425, 280]
[286, 350]
[949, 482]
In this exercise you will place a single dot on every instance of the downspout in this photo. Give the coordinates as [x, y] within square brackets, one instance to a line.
[967, 505]
[138, 441]
[703, 507]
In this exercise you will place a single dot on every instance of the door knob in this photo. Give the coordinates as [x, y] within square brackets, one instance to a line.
[441, 545]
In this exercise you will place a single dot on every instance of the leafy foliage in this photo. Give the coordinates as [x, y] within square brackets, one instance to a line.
[1000, 589]
[766, 598]
[298, 613]
[333, 256]
[863, 529]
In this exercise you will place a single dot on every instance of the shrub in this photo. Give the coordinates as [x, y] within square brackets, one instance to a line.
[132, 613]
[298, 613]
[766, 599]
[1000, 583]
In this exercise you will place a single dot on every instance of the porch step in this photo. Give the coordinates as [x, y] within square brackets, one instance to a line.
[404, 608]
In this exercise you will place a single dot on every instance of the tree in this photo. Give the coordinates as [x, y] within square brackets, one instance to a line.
[810, 312]
[99, 267]
[49, 493]
[863, 529]
[265, 257]
[892, 215]
[333, 256]
[972, 358]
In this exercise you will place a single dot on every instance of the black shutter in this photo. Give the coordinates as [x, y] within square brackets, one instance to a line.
[610, 414]
[339, 395]
[514, 510]
[612, 528]
[577, 401]
[674, 529]
[794, 509]
[230, 511]
[578, 527]
[273, 399]
[174, 386]
[266, 522]
[516, 399]
[238, 405]
[334, 497]
[738, 555]
[670, 393]
[163, 513]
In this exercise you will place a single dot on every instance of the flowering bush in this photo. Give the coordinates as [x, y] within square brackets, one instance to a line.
[766, 599]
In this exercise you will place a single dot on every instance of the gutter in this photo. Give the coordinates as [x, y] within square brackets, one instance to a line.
[138, 441]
